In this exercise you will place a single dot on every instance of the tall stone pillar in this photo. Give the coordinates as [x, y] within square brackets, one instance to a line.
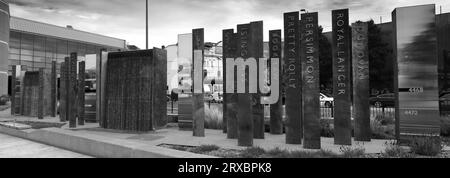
[13, 89]
[244, 114]
[292, 78]
[276, 110]
[81, 88]
[63, 91]
[72, 90]
[257, 51]
[53, 89]
[198, 77]
[4, 47]
[311, 80]
[40, 99]
[341, 77]
[361, 90]
[230, 100]
[416, 70]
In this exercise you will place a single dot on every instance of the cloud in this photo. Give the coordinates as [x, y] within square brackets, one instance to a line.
[168, 18]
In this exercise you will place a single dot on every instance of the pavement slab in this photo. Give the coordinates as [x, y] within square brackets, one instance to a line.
[13, 147]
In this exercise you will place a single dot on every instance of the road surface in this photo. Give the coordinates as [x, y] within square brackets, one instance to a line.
[13, 147]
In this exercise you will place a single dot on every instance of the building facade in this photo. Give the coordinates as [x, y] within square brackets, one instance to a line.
[172, 67]
[213, 67]
[4, 46]
[35, 45]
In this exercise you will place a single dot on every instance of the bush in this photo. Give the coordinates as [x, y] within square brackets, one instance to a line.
[213, 116]
[385, 120]
[326, 130]
[394, 150]
[313, 154]
[352, 152]
[204, 148]
[445, 126]
[380, 131]
[253, 152]
[4, 99]
[426, 146]
[278, 153]
[445, 130]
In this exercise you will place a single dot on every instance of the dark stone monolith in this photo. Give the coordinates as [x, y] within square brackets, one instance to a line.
[311, 80]
[341, 77]
[198, 77]
[276, 110]
[361, 90]
[292, 78]
[244, 111]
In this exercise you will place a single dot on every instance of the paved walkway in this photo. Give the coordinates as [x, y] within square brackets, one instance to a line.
[13, 147]
[172, 135]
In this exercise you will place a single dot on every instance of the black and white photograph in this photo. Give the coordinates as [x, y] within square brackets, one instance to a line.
[254, 80]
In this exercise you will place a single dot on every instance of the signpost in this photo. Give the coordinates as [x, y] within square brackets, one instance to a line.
[63, 91]
[276, 110]
[311, 82]
[230, 100]
[72, 93]
[341, 77]
[53, 88]
[416, 71]
[244, 113]
[81, 92]
[257, 51]
[13, 89]
[292, 78]
[198, 77]
[40, 98]
[361, 109]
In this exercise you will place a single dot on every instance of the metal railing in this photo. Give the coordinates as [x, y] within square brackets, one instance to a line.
[325, 112]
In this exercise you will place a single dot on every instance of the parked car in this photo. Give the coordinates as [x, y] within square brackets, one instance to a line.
[207, 97]
[326, 101]
[90, 107]
[90, 101]
[213, 98]
[444, 103]
[217, 97]
[383, 100]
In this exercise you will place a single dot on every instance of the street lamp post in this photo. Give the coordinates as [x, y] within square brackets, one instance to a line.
[146, 24]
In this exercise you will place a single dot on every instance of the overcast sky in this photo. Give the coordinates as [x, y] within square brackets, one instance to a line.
[168, 18]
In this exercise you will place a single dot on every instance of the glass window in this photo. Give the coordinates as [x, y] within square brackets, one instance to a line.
[39, 59]
[27, 64]
[13, 50]
[26, 58]
[81, 49]
[50, 48]
[14, 43]
[73, 47]
[13, 56]
[14, 62]
[26, 46]
[38, 65]
[61, 49]
[14, 37]
[91, 49]
[39, 47]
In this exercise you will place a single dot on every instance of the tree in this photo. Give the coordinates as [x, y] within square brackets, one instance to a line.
[380, 60]
[326, 63]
